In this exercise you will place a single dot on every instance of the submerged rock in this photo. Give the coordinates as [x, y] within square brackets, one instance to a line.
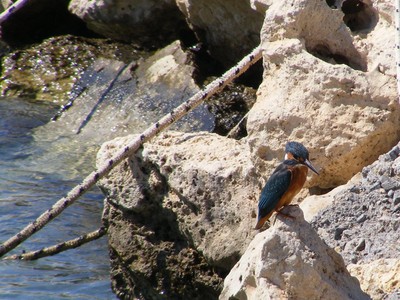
[113, 98]
[290, 261]
[49, 70]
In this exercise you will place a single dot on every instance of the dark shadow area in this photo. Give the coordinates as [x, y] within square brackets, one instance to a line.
[323, 52]
[34, 23]
[230, 106]
[332, 4]
[359, 16]
[151, 257]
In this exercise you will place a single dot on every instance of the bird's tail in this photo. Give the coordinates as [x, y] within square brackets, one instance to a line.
[261, 221]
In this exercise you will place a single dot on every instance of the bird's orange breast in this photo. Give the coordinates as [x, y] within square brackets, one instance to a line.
[299, 176]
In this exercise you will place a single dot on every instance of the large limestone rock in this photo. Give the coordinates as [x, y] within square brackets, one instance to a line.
[186, 204]
[329, 82]
[149, 22]
[379, 278]
[229, 28]
[290, 261]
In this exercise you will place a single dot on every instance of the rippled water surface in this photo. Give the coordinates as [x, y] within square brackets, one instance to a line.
[33, 175]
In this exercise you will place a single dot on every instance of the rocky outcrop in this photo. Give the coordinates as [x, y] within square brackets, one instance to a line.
[331, 87]
[363, 222]
[290, 261]
[222, 25]
[379, 278]
[360, 220]
[147, 88]
[148, 22]
[219, 25]
[179, 196]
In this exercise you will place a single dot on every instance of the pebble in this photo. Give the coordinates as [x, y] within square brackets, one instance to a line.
[396, 166]
[361, 245]
[361, 218]
[396, 197]
[394, 153]
[388, 183]
[373, 187]
[396, 208]
[338, 232]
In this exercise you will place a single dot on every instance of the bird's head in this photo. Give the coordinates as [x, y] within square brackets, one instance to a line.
[298, 152]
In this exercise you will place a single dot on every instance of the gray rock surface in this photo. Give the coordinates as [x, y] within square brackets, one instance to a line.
[149, 22]
[363, 221]
[223, 25]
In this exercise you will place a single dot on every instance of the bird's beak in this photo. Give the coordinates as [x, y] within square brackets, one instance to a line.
[308, 164]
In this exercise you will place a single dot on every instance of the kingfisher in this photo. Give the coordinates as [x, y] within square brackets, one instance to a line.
[285, 182]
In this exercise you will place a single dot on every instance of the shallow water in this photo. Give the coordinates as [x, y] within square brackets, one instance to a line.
[28, 186]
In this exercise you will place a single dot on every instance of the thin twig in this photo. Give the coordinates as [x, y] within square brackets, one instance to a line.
[180, 111]
[71, 244]
[397, 43]
[12, 9]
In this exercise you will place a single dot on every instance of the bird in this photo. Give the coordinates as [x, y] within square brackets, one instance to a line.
[285, 182]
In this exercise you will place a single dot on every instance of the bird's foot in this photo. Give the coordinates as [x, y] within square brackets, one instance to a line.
[285, 215]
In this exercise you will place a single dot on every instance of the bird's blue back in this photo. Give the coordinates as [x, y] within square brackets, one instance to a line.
[274, 189]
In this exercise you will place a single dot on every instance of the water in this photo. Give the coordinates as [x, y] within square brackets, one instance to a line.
[30, 184]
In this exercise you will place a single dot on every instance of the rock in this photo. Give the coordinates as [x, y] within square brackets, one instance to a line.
[280, 260]
[311, 205]
[396, 197]
[260, 5]
[378, 278]
[190, 193]
[361, 218]
[112, 98]
[49, 70]
[230, 29]
[371, 224]
[396, 165]
[389, 184]
[132, 21]
[322, 86]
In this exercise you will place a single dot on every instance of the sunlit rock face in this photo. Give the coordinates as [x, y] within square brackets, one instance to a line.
[329, 84]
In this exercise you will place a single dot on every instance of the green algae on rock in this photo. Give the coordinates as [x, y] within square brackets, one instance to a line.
[48, 70]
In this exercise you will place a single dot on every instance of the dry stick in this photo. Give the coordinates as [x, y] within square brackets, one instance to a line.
[180, 111]
[13, 8]
[397, 42]
[71, 244]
